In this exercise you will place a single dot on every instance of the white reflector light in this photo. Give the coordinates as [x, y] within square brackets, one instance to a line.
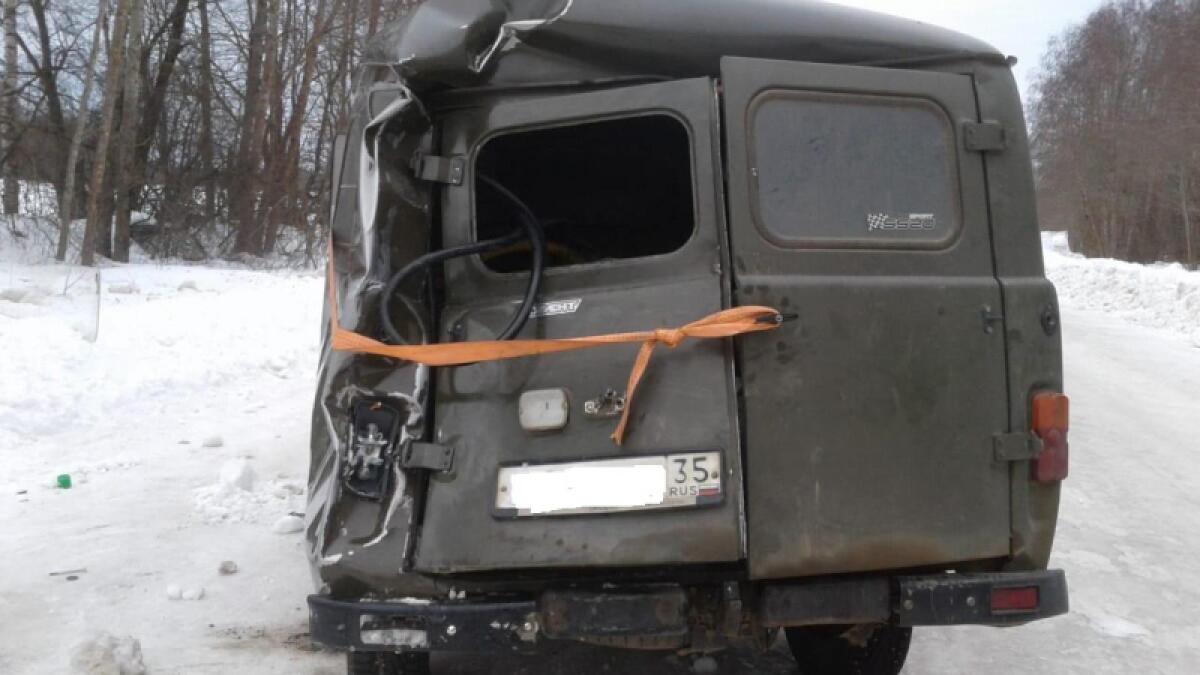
[543, 410]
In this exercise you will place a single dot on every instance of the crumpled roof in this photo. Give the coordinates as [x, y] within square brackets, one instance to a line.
[464, 43]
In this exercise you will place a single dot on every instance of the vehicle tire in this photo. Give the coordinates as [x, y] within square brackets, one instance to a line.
[386, 663]
[822, 650]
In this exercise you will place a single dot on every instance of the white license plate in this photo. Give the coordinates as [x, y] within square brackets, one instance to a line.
[610, 485]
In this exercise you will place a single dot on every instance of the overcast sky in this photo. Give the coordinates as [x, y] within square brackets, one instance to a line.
[1017, 27]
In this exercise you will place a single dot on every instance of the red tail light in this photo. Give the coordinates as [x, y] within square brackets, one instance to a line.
[1023, 599]
[1051, 421]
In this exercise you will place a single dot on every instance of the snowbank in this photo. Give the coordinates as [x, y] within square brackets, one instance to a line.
[183, 424]
[1160, 296]
[34, 240]
[93, 342]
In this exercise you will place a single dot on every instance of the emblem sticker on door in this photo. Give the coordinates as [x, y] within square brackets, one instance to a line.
[555, 308]
[884, 222]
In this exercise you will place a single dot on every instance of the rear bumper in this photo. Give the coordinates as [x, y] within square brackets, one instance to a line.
[661, 616]
[954, 599]
[932, 600]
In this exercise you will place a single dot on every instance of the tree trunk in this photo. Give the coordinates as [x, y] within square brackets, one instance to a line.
[206, 117]
[127, 162]
[12, 187]
[156, 98]
[250, 143]
[373, 11]
[1189, 251]
[96, 201]
[48, 78]
[66, 203]
[289, 180]
[272, 190]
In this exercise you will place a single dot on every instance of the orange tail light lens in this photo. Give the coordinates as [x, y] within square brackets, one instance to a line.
[1051, 421]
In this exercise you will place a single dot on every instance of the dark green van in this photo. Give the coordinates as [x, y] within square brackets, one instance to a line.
[889, 455]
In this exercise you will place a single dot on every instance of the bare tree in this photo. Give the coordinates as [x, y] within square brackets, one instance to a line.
[66, 210]
[12, 186]
[1116, 127]
[218, 125]
[253, 125]
[128, 132]
[116, 64]
[205, 96]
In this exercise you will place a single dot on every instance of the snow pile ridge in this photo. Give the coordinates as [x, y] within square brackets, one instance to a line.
[108, 655]
[1160, 296]
[237, 497]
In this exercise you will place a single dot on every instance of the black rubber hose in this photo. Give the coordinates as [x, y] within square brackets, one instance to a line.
[532, 231]
[423, 263]
[537, 241]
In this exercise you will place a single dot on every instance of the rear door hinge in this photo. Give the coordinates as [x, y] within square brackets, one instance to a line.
[985, 136]
[439, 169]
[428, 456]
[1016, 447]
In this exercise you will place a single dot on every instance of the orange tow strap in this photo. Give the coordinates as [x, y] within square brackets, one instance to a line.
[726, 323]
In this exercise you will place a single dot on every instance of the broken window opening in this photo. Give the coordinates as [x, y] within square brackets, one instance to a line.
[608, 190]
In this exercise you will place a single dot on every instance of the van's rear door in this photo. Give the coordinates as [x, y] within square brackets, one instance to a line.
[685, 409]
[869, 419]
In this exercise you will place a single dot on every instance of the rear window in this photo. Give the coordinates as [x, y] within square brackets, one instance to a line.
[603, 191]
[849, 171]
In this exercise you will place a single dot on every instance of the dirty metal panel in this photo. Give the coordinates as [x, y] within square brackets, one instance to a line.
[685, 404]
[870, 418]
[827, 602]
[659, 612]
[680, 407]
[1030, 306]
[870, 428]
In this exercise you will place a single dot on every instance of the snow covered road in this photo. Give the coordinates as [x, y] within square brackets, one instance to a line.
[191, 354]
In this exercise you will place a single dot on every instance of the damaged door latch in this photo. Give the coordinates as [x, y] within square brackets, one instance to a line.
[374, 433]
[608, 404]
[377, 443]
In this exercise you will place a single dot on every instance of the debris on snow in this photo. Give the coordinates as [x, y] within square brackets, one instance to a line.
[288, 524]
[212, 442]
[177, 592]
[188, 285]
[123, 288]
[233, 497]
[227, 502]
[108, 655]
[238, 473]
[64, 573]
[227, 567]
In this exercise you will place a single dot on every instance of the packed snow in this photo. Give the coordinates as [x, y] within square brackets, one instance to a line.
[108, 655]
[1165, 295]
[177, 398]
